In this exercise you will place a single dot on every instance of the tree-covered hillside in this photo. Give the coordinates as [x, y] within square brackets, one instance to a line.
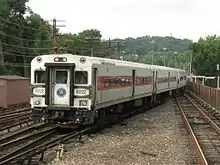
[145, 44]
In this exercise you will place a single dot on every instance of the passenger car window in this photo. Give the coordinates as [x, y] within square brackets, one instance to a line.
[39, 77]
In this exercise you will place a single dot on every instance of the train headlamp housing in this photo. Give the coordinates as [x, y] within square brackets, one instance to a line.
[60, 59]
[82, 60]
[39, 59]
[83, 102]
[37, 102]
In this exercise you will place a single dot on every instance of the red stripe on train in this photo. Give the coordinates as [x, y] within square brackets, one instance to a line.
[114, 82]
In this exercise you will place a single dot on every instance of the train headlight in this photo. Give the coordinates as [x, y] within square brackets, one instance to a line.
[37, 102]
[64, 59]
[60, 59]
[83, 102]
[56, 59]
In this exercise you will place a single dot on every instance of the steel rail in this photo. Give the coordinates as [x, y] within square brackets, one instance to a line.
[40, 148]
[14, 134]
[11, 111]
[4, 159]
[216, 127]
[14, 114]
[26, 137]
[200, 155]
[44, 146]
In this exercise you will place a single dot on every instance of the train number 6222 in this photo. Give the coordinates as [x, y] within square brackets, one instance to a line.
[80, 91]
[39, 91]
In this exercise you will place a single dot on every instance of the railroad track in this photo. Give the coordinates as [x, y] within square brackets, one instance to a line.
[17, 144]
[22, 150]
[14, 118]
[203, 129]
[26, 146]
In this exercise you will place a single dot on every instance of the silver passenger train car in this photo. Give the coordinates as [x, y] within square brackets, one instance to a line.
[74, 89]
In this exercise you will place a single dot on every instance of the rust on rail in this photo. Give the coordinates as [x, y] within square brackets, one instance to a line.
[200, 155]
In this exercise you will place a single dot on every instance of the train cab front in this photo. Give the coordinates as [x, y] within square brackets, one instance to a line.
[60, 98]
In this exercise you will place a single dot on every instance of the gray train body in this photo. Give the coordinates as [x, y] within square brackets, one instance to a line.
[73, 89]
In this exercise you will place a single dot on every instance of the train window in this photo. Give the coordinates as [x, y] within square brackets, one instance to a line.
[173, 79]
[128, 82]
[61, 77]
[112, 82]
[39, 77]
[118, 81]
[142, 80]
[81, 77]
[123, 82]
[106, 83]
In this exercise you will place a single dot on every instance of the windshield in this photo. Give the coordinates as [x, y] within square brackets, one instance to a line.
[39, 77]
[81, 77]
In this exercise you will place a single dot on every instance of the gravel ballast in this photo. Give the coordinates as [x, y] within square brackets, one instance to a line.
[153, 137]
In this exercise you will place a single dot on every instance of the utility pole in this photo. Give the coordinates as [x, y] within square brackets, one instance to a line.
[109, 48]
[92, 52]
[190, 63]
[1, 59]
[92, 49]
[23, 43]
[164, 59]
[54, 39]
[175, 55]
[153, 42]
[217, 76]
[54, 36]
[119, 51]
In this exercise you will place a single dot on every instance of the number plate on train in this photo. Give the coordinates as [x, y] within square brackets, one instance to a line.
[39, 91]
[81, 92]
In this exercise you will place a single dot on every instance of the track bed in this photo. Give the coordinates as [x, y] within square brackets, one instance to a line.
[154, 137]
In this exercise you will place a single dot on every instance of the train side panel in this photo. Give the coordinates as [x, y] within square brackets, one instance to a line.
[162, 80]
[182, 78]
[143, 81]
[173, 79]
[116, 84]
[113, 84]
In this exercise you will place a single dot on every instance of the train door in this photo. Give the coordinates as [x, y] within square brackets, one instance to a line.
[59, 84]
[178, 79]
[169, 80]
[133, 80]
[60, 90]
[94, 86]
[154, 81]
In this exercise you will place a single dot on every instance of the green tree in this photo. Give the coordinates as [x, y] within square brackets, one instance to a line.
[21, 37]
[206, 55]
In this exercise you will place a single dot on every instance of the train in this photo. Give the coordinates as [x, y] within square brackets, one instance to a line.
[78, 90]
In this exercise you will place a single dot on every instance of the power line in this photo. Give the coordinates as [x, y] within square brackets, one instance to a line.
[19, 38]
[22, 26]
[24, 47]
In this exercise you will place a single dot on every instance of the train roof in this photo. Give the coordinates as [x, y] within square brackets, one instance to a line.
[98, 60]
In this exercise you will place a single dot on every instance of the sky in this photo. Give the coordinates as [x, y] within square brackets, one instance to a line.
[134, 18]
